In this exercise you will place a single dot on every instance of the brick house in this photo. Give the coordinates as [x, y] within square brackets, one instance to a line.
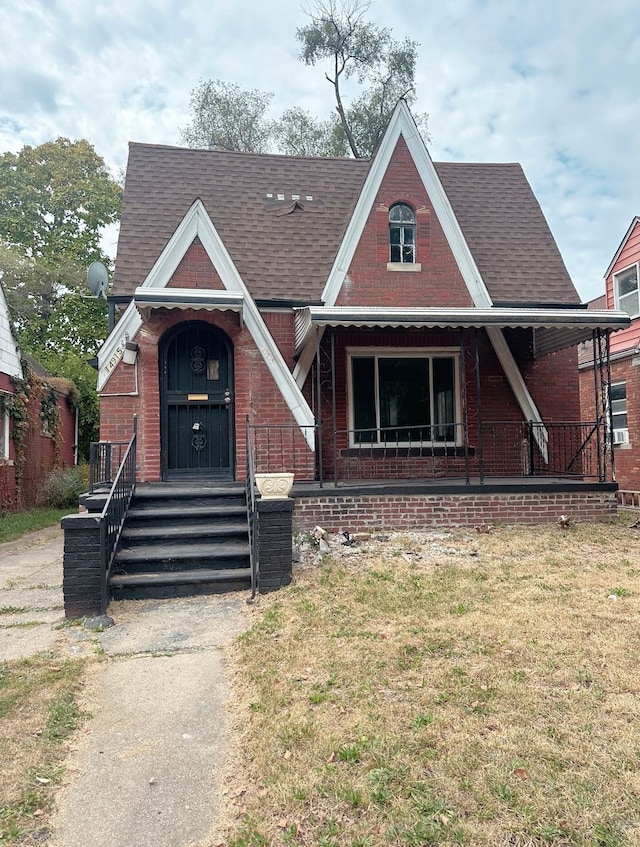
[48, 436]
[621, 292]
[399, 334]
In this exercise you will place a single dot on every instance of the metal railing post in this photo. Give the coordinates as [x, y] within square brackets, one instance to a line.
[531, 448]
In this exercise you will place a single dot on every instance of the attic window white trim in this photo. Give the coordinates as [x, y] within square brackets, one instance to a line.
[402, 234]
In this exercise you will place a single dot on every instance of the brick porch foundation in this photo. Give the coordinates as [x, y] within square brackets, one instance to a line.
[336, 511]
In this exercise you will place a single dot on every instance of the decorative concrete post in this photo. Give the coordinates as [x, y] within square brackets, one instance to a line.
[82, 567]
[275, 542]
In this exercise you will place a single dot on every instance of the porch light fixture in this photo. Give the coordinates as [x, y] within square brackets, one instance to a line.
[130, 354]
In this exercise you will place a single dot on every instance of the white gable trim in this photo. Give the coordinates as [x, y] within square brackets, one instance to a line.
[623, 244]
[9, 351]
[518, 386]
[198, 223]
[111, 351]
[402, 124]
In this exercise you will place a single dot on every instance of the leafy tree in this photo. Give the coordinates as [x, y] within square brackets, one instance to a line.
[225, 117]
[55, 200]
[353, 46]
[298, 133]
[58, 323]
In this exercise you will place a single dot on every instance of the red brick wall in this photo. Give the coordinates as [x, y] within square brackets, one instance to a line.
[406, 512]
[552, 381]
[256, 395]
[369, 283]
[626, 456]
[196, 271]
[39, 449]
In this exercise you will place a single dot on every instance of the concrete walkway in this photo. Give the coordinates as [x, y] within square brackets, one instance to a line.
[147, 764]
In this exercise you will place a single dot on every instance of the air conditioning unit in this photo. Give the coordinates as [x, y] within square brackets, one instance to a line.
[620, 436]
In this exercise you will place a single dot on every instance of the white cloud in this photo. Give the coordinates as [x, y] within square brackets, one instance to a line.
[549, 84]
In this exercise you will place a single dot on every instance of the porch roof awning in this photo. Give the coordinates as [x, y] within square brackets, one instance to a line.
[554, 329]
[146, 299]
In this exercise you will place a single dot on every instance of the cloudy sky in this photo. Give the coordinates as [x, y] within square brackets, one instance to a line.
[552, 84]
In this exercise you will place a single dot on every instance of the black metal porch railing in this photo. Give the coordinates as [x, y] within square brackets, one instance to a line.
[556, 449]
[283, 447]
[511, 449]
[105, 457]
[115, 510]
[426, 451]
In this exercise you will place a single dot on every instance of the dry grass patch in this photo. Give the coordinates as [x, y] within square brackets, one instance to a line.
[445, 688]
[38, 713]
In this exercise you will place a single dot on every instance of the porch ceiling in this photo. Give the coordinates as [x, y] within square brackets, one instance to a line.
[554, 329]
[146, 299]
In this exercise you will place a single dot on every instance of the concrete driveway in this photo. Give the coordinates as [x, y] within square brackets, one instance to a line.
[146, 768]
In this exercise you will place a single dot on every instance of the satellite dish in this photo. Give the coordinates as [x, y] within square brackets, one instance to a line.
[98, 279]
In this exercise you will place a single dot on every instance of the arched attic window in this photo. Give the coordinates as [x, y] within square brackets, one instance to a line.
[402, 233]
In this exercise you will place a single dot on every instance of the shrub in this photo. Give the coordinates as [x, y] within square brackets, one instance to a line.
[63, 487]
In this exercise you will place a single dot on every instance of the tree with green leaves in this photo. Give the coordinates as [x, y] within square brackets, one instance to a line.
[225, 117]
[352, 46]
[55, 201]
[298, 133]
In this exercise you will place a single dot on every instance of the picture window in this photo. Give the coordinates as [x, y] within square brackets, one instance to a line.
[403, 399]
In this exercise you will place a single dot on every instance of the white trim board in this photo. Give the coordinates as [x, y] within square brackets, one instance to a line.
[402, 124]
[197, 223]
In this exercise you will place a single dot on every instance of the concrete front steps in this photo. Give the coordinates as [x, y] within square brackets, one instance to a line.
[183, 539]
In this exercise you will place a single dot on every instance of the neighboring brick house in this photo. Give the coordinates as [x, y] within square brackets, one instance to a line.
[47, 437]
[622, 292]
[375, 322]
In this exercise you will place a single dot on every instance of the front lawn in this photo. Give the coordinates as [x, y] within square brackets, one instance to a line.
[16, 524]
[441, 688]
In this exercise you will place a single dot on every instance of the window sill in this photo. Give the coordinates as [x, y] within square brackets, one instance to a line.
[404, 267]
[624, 445]
[375, 451]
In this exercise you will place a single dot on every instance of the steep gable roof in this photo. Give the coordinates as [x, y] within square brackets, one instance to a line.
[282, 248]
[507, 233]
[285, 248]
[634, 223]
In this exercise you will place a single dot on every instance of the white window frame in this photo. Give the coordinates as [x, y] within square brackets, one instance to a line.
[403, 226]
[620, 434]
[404, 353]
[622, 300]
[4, 428]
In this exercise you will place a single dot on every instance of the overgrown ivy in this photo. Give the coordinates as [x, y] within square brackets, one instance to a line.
[17, 407]
[50, 417]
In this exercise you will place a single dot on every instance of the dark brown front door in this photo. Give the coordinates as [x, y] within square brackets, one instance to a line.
[196, 364]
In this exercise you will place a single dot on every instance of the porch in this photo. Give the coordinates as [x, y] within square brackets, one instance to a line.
[511, 474]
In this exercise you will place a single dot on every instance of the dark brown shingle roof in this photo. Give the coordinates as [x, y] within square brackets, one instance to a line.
[285, 252]
[280, 253]
[507, 233]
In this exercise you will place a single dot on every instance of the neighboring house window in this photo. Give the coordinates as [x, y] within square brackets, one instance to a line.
[625, 285]
[618, 395]
[402, 233]
[403, 397]
[4, 429]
